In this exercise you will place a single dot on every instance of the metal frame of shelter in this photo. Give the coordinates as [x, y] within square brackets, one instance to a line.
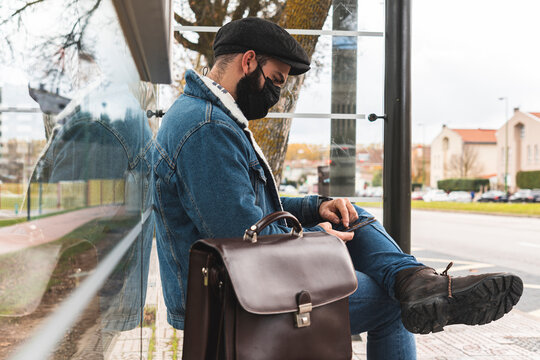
[397, 126]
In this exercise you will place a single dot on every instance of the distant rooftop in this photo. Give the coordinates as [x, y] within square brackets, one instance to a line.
[479, 136]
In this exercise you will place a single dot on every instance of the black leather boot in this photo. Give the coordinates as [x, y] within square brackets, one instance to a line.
[430, 301]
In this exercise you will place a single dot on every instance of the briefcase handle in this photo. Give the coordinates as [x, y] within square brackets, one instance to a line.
[251, 233]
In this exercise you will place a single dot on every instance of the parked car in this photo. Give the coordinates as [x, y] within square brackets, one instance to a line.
[417, 195]
[435, 195]
[288, 189]
[493, 196]
[536, 194]
[376, 191]
[460, 196]
[360, 193]
[526, 195]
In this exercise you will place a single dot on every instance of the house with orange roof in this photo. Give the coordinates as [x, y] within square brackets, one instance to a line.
[463, 153]
[523, 130]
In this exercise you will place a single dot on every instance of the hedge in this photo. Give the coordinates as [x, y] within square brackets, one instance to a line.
[528, 179]
[462, 184]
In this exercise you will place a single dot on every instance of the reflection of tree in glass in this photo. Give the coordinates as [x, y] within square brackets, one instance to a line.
[61, 47]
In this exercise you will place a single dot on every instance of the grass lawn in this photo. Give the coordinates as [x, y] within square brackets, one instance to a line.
[532, 210]
[9, 222]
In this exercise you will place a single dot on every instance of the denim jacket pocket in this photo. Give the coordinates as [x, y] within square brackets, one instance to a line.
[259, 171]
[258, 181]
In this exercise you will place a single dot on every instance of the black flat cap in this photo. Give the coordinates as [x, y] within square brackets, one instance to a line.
[264, 37]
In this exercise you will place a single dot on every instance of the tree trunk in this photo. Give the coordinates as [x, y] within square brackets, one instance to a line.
[272, 135]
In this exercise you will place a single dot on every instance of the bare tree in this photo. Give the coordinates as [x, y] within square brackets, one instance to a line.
[375, 152]
[216, 13]
[420, 165]
[466, 165]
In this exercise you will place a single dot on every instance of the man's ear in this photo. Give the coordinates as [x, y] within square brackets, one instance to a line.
[249, 63]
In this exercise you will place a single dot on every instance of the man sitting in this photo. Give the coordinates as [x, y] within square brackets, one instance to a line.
[212, 180]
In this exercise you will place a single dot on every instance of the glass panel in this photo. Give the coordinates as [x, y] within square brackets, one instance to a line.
[315, 134]
[346, 78]
[371, 15]
[307, 162]
[75, 160]
[75, 171]
[355, 82]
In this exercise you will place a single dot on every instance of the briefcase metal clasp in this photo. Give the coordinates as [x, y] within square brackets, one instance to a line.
[303, 316]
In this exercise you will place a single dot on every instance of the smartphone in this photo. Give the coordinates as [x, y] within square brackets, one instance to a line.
[360, 222]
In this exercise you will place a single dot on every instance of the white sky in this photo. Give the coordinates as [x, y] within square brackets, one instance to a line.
[465, 54]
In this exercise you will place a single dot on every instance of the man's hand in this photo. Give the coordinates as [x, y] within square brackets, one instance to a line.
[333, 210]
[345, 236]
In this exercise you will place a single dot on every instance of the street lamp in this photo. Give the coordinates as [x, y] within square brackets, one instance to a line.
[506, 143]
[423, 154]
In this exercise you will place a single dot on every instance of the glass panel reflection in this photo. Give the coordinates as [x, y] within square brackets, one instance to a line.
[75, 190]
[307, 163]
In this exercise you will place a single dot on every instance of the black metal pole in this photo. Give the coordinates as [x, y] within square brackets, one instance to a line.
[343, 131]
[397, 127]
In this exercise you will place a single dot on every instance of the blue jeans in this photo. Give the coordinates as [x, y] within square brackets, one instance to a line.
[373, 307]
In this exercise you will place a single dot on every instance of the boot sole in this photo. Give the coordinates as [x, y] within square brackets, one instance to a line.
[481, 303]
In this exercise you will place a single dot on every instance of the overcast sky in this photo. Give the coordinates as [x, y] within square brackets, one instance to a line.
[465, 54]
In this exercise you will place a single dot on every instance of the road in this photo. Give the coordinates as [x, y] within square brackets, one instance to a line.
[480, 243]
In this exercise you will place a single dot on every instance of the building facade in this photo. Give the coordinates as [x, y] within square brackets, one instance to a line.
[521, 136]
[463, 153]
[421, 164]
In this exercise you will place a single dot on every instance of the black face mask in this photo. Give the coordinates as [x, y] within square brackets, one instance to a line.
[255, 102]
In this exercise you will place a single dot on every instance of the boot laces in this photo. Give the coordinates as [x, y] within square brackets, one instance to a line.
[445, 273]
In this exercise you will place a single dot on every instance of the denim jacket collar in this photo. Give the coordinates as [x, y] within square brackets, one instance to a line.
[206, 88]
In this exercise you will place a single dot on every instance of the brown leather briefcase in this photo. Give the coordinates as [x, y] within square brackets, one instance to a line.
[277, 297]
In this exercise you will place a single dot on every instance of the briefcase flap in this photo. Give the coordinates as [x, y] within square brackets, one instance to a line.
[268, 274]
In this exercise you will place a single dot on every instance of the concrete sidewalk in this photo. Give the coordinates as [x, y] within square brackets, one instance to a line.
[514, 337]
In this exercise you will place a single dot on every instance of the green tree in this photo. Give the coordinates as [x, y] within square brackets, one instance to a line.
[377, 178]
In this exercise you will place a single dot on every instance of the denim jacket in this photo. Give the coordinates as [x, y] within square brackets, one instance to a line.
[211, 180]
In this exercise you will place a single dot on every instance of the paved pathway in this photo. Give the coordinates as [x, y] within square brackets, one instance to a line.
[41, 231]
[514, 337]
